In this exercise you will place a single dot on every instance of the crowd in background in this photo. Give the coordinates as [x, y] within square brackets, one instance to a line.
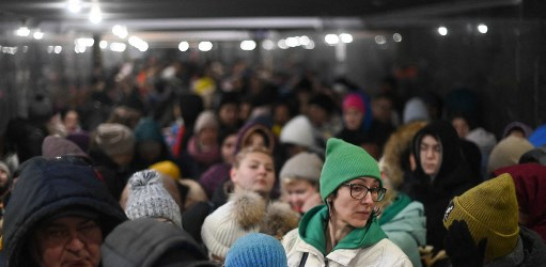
[256, 167]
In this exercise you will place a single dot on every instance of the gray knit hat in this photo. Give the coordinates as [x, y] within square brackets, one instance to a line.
[149, 198]
[302, 166]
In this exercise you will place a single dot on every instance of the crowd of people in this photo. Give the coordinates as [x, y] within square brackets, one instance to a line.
[165, 166]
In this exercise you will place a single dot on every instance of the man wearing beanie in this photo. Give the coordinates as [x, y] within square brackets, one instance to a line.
[344, 231]
[58, 215]
[483, 228]
[300, 181]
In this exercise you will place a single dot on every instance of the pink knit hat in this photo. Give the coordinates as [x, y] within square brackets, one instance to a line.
[354, 101]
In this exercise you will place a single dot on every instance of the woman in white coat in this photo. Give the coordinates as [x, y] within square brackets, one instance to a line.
[344, 232]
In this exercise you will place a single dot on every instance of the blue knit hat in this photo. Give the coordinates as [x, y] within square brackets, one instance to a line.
[256, 250]
[343, 163]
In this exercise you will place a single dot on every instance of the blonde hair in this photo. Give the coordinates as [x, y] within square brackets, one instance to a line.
[247, 150]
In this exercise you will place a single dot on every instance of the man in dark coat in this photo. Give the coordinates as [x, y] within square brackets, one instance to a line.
[59, 213]
[147, 242]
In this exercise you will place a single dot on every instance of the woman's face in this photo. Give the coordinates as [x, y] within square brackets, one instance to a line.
[255, 173]
[297, 192]
[348, 211]
[352, 118]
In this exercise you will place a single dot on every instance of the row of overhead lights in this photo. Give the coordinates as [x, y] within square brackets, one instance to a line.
[285, 43]
[482, 28]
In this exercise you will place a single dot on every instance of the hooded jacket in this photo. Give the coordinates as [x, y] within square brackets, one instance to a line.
[44, 188]
[453, 178]
[146, 242]
[350, 251]
[407, 229]
[530, 182]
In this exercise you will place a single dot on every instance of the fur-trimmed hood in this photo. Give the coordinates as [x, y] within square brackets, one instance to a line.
[244, 213]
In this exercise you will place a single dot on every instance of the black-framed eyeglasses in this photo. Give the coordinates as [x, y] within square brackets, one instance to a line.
[359, 192]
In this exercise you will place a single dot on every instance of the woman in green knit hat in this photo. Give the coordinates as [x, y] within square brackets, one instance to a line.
[344, 231]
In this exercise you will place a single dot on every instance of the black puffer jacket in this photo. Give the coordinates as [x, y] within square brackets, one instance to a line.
[44, 188]
[146, 242]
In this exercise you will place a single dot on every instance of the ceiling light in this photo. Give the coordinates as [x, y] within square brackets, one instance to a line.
[84, 42]
[120, 31]
[331, 39]
[310, 45]
[304, 40]
[482, 28]
[248, 45]
[282, 44]
[38, 35]
[292, 42]
[346, 38]
[268, 44]
[95, 15]
[103, 44]
[23, 31]
[397, 37]
[442, 30]
[183, 46]
[118, 47]
[58, 49]
[380, 40]
[205, 46]
[74, 6]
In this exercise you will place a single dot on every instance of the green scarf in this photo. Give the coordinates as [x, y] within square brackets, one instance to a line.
[313, 224]
[400, 202]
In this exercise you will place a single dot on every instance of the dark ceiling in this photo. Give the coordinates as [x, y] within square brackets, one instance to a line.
[172, 17]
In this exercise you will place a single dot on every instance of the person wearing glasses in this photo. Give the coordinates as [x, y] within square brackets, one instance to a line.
[58, 215]
[344, 231]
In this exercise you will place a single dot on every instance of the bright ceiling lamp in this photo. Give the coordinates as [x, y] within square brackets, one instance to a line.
[120, 31]
[205, 46]
[183, 46]
[95, 15]
[23, 31]
[74, 6]
[346, 38]
[248, 45]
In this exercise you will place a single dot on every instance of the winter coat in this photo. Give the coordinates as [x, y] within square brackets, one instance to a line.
[454, 177]
[146, 242]
[530, 252]
[530, 182]
[44, 188]
[381, 253]
[408, 230]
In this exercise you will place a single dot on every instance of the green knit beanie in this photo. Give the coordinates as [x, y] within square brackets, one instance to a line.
[343, 163]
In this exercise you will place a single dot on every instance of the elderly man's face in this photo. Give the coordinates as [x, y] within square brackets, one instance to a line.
[68, 241]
